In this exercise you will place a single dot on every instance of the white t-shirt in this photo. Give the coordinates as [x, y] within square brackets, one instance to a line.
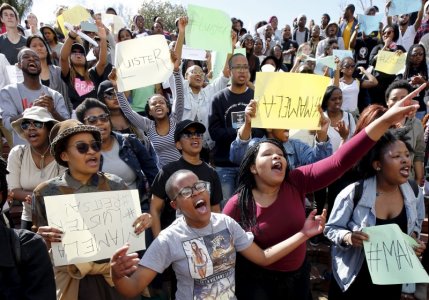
[203, 259]
[350, 95]
[334, 136]
[24, 174]
[407, 40]
[300, 37]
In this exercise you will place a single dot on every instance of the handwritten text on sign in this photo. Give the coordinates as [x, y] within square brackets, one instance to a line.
[142, 62]
[391, 258]
[95, 225]
[288, 100]
[208, 29]
[390, 62]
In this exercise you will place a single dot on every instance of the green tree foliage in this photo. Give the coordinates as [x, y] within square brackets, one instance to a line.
[22, 6]
[164, 9]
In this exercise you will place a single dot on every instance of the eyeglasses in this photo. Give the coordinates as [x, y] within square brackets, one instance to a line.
[110, 96]
[240, 67]
[387, 32]
[36, 124]
[189, 135]
[92, 120]
[196, 73]
[186, 192]
[349, 66]
[417, 54]
[83, 147]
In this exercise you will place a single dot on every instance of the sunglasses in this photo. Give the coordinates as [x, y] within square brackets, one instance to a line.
[83, 147]
[189, 135]
[110, 95]
[349, 66]
[186, 192]
[36, 124]
[92, 120]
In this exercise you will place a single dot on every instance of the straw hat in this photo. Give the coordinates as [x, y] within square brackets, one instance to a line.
[35, 113]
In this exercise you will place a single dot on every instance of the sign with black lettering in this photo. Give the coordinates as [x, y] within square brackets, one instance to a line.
[390, 256]
[142, 62]
[288, 100]
[95, 225]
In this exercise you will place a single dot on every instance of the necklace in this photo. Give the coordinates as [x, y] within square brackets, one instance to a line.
[199, 236]
[42, 160]
[378, 193]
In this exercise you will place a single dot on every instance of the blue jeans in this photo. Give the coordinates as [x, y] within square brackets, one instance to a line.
[228, 180]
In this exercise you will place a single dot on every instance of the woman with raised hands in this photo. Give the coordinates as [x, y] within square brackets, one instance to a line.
[270, 204]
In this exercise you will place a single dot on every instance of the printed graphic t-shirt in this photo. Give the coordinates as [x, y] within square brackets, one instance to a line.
[203, 259]
[80, 89]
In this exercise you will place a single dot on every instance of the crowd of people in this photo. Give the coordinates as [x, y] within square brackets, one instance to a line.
[209, 184]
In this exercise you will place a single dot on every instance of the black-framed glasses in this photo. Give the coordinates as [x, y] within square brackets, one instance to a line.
[240, 67]
[27, 123]
[349, 66]
[92, 120]
[83, 147]
[189, 135]
[188, 191]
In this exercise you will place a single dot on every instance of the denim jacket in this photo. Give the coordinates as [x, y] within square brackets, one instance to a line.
[136, 156]
[298, 153]
[347, 260]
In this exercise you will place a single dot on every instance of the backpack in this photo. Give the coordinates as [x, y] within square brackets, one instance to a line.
[359, 190]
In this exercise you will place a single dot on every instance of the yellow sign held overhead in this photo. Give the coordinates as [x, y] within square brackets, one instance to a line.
[288, 100]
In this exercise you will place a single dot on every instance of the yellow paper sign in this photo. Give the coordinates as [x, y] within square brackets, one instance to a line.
[288, 100]
[142, 62]
[390, 62]
[74, 16]
[95, 225]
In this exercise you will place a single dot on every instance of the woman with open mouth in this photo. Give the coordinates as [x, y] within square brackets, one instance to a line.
[77, 147]
[32, 163]
[270, 204]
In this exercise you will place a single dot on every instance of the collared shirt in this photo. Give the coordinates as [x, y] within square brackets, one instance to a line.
[66, 184]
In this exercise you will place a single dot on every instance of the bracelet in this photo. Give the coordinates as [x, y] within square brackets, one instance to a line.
[73, 38]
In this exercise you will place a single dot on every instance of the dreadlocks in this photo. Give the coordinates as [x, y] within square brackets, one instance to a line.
[246, 183]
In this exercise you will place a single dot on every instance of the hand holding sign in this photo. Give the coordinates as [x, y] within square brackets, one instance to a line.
[390, 256]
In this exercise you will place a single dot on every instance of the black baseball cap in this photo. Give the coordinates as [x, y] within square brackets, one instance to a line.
[105, 86]
[183, 125]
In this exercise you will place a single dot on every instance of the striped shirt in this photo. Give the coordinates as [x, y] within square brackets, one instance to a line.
[164, 145]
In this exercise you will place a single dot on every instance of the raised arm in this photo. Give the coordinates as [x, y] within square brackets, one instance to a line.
[370, 82]
[320, 174]
[137, 120]
[419, 18]
[102, 60]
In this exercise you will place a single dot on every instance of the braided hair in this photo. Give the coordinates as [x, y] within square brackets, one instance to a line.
[247, 182]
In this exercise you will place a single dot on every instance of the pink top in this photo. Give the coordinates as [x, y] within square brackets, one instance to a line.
[286, 215]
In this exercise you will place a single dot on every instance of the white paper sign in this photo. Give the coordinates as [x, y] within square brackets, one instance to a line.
[142, 62]
[113, 22]
[95, 225]
[194, 54]
[14, 74]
